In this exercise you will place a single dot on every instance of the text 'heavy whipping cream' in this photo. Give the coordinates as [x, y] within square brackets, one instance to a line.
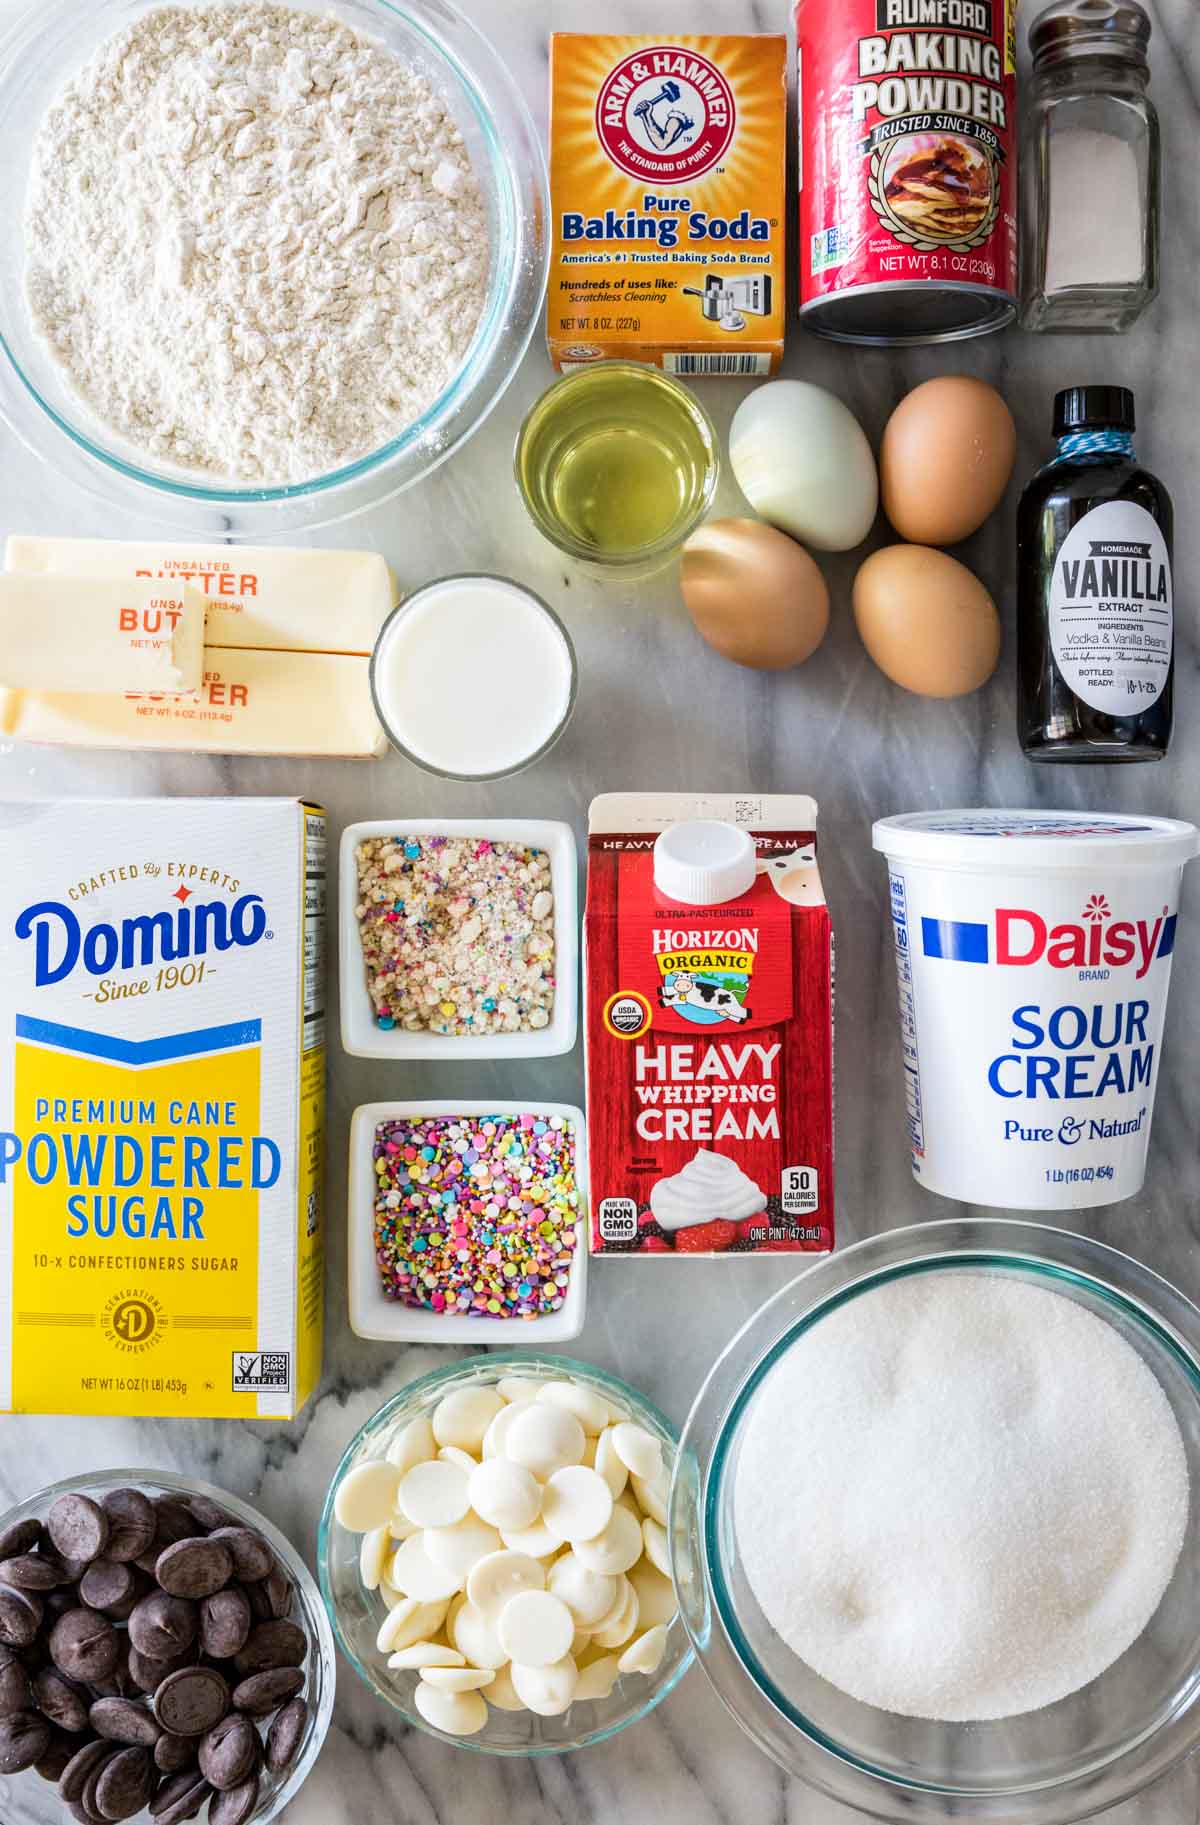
[1033, 952]
[162, 1081]
[709, 1026]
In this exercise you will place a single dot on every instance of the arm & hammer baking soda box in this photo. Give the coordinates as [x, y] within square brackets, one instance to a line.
[709, 969]
[668, 201]
[162, 1083]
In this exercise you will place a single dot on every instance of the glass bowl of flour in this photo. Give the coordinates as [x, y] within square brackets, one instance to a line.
[271, 263]
[935, 1525]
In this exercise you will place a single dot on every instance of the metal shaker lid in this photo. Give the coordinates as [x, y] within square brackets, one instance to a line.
[1075, 28]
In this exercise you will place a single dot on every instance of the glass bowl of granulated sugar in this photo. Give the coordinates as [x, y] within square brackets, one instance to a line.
[270, 264]
[935, 1525]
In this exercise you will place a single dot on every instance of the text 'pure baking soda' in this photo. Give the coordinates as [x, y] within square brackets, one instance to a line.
[709, 1026]
[162, 1077]
[1033, 951]
[667, 198]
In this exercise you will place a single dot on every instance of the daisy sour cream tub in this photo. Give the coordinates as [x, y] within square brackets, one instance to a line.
[1033, 951]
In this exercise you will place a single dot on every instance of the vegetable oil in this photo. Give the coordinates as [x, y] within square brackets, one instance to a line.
[617, 464]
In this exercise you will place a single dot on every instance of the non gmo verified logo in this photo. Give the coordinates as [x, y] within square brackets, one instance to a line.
[1019, 937]
[665, 115]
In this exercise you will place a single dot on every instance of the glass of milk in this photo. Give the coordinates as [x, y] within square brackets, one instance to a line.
[474, 678]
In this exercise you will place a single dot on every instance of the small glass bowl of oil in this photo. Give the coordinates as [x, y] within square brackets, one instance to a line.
[617, 464]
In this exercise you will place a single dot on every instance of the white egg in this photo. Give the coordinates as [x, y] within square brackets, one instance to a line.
[803, 462]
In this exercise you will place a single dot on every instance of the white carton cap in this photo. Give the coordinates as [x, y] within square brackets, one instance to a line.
[1035, 841]
[704, 863]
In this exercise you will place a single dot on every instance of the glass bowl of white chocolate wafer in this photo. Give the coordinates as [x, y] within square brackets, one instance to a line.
[493, 1555]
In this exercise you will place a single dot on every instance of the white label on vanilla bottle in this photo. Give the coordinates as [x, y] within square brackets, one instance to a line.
[1111, 623]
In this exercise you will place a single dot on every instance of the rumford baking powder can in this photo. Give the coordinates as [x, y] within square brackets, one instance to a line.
[908, 180]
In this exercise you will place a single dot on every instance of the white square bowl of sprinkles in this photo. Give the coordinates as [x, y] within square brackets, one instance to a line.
[414, 986]
[465, 1317]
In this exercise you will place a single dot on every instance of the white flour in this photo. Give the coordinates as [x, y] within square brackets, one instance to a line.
[254, 240]
[960, 1497]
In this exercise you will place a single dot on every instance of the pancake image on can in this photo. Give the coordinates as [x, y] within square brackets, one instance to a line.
[938, 190]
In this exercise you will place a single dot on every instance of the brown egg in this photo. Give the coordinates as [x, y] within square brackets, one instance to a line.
[926, 621]
[947, 454]
[754, 594]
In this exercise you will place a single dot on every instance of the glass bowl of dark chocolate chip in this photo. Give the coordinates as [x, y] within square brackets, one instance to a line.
[164, 1652]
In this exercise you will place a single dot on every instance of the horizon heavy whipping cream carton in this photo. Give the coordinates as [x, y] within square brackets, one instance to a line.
[1033, 955]
[162, 1080]
[709, 968]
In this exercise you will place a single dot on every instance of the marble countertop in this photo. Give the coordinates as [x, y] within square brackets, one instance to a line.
[651, 697]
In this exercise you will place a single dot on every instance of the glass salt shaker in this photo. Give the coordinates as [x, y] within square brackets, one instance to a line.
[1090, 169]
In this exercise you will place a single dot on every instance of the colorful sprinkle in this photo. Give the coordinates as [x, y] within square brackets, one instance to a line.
[505, 1254]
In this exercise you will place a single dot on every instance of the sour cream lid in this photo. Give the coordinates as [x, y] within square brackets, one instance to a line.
[1003, 842]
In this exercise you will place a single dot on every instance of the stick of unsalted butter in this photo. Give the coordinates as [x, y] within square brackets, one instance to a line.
[300, 599]
[248, 703]
[100, 634]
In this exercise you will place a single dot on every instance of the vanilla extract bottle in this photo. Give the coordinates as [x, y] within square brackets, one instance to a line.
[1095, 618]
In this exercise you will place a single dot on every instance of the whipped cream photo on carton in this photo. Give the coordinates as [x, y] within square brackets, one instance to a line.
[1033, 952]
[709, 989]
[162, 1083]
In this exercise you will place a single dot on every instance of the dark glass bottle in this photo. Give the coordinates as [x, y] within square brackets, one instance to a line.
[1095, 626]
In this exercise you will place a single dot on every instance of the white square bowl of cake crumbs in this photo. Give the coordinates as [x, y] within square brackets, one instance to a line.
[458, 938]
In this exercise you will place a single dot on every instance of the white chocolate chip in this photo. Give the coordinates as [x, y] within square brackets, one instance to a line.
[493, 1581]
[414, 1572]
[505, 1494]
[614, 1472]
[654, 1538]
[614, 1550]
[588, 1408]
[461, 1546]
[473, 1635]
[454, 1713]
[544, 1438]
[638, 1450]
[409, 1621]
[645, 1652]
[537, 1540]
[425, 1654]
[434, 1494]
[616, 1629]
[656, 1595]
[536, 1629]
[588, 1595]
[366, 1497]
[450, 1454]
[373, 1556]
[497, 1432]
[598, 1678]
[548, 1691]
[577, 1504]
[652, 1496]
[502, 1693]
[464, 1415]
[518, 1387]
[413, 1444]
